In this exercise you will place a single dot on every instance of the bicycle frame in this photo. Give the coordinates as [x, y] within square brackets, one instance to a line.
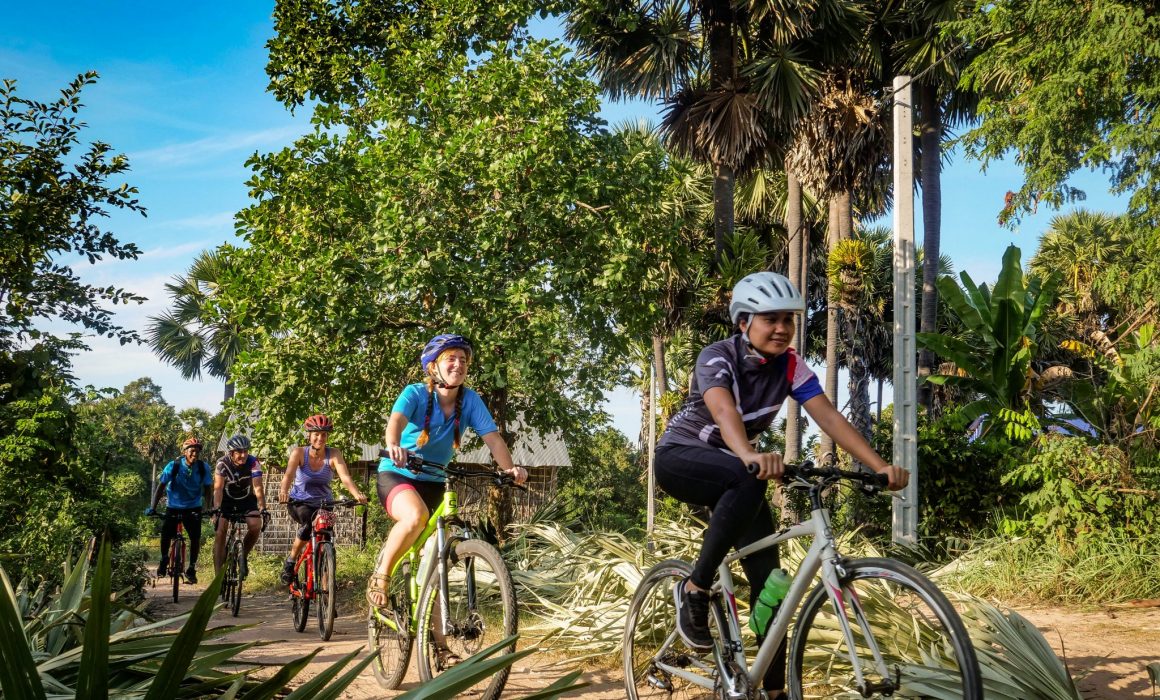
[822, 555]
[308, 556]
[420, 554]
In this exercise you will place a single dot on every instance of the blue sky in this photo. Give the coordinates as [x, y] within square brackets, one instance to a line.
[182, 93]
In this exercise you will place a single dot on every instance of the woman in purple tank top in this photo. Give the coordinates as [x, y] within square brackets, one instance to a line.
[309, 471]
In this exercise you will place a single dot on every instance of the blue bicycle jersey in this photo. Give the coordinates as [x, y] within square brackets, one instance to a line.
[185, 483]
[440, 447]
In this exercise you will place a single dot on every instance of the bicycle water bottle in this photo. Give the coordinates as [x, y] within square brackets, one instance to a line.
[770, 597]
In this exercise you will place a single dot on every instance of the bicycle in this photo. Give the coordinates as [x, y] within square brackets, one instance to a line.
[872, 627]
[318, 557]
[236, 563]
[177, 549]
[466, 602]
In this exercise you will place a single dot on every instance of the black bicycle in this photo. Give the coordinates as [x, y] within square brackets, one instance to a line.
[236, 563]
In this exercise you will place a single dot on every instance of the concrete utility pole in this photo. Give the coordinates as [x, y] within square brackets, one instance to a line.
[652, 451]
[904, 525]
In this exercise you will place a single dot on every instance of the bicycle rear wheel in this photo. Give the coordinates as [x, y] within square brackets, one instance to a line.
[481, 606]
[908, 639]
[324, 590]
[657, 663]
[389, 633]
[234, 576]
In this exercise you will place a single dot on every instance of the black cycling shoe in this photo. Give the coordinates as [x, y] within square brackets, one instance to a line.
[191, 575]
[692, 617]
[162, 569]
[287, 572]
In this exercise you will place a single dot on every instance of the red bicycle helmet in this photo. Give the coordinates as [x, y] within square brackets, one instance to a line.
[191, 442]
[318, 423]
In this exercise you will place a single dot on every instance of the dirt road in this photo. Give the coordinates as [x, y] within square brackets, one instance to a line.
[1106, 650]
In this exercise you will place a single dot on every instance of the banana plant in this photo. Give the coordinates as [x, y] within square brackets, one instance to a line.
[996, 362]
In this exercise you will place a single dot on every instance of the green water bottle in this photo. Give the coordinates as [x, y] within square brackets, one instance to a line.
[770, 597]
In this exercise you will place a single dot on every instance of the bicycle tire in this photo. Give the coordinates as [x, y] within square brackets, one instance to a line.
[227, 579]
[235, 577]
[324, 590]
[476, 624]
[390, 639]
[919, 634]
[299, 603]
[177, 564]
[650, 636]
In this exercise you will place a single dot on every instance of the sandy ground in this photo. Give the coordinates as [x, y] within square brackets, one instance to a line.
[1106, 650]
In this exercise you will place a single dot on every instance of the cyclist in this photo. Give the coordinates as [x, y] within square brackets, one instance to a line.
[186, 481]
[739, 385]
[238, 492]
[309, 471]
[429, 416]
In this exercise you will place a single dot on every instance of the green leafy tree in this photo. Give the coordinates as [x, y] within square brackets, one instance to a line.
[1064, 90]
[51, 201]
[996, 363]
[197, 334]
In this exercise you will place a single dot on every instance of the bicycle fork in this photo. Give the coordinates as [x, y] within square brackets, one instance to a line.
[840, 597]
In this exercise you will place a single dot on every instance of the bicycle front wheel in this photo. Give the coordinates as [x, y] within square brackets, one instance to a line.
[657, 663]
[324, 590]
[908, 640]
[177, 565]
[234, 576]
[389, 633]
[481, 612]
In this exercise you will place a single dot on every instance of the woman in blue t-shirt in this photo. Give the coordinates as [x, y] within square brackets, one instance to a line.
[429, 417]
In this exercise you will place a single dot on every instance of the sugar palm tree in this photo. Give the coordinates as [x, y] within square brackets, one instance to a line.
[734, 76]
[196, 334]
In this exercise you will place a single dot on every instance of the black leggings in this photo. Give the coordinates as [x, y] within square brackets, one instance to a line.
[705, 476]
[191, 519]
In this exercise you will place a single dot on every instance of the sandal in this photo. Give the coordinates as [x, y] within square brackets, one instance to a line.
[377, 592]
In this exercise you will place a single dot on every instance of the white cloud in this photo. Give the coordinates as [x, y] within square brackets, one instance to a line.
[211, 148]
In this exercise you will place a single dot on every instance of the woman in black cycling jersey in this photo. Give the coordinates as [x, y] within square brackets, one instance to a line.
[738, 388]
[237, 492]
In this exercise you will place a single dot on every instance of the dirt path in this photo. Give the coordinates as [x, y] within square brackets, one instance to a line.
[1106, 650]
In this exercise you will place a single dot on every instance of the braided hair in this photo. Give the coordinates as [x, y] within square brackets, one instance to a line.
[425, 436]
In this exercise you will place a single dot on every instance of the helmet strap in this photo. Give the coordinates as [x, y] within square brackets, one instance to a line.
[752, 353]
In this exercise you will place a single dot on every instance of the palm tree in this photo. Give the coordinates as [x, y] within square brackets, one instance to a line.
[734, 77]
[196, 334]
[937, 59]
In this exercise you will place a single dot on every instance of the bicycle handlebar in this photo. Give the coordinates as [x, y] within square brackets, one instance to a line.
[872, 482]
[325, 503]
[416, 463]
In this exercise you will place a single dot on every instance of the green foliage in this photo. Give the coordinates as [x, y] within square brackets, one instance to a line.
[1067, 90]
[498, 208]
[995, 362]
[606, 470]
[1079, 491]
[51, 200]
[87, 643]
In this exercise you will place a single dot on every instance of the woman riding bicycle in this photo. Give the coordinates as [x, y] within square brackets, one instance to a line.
[309, 471]
[738, 387]
[429, 416]
[238, 493]
[186, 482]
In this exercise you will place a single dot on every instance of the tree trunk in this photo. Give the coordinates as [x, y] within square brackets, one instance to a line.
[499, 500]
[931, 231]
[833, 235]
[878, 417]
[717, 16]
[793, 235]
[658, 348]
[229, 391]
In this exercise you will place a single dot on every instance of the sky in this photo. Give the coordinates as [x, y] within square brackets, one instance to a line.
[182, 92]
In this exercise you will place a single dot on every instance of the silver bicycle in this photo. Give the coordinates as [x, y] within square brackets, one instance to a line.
[870, 628]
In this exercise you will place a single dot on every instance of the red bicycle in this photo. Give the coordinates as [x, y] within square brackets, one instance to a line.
[317, 582]
[176, 551]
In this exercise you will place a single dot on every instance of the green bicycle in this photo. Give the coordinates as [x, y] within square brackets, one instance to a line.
[451, 592]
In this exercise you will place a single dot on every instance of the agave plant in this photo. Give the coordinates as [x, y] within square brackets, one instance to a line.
[82, 642]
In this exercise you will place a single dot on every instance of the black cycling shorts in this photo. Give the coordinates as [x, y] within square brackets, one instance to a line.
[391, 483]
[240, 506]
[303, 514]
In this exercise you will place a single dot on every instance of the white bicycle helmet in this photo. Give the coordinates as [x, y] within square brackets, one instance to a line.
[765, 292]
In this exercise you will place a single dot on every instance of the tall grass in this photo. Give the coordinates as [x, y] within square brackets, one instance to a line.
[1109, 569]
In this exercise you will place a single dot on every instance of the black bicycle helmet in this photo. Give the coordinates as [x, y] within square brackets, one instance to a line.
[239, 443]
